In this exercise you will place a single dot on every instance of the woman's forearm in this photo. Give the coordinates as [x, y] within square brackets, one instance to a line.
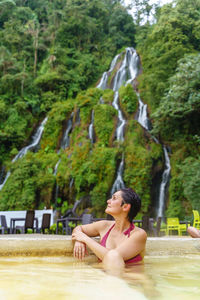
[95, 247]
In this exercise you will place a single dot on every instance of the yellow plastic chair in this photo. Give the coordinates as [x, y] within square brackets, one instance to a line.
[196, 222]
[173, 224]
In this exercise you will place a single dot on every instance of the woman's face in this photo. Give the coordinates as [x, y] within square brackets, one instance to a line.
[114, 205]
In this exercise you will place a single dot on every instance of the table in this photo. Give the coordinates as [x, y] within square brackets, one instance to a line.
[13, 220]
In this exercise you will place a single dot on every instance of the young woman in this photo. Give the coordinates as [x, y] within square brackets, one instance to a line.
[120, 241]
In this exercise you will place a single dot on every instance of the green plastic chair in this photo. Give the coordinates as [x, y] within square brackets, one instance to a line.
[173, 224]
[196, 222]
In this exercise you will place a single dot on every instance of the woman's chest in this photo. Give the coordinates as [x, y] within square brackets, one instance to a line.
[114, 240]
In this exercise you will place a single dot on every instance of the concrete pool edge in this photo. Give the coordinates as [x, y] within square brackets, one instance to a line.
[57, 245]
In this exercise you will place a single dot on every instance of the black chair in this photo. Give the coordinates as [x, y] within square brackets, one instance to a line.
[84, 219]
[69, 213]
[46, 219]
[29, 222]
[4, 226]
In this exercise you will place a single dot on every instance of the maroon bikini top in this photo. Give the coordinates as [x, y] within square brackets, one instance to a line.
[134, 259]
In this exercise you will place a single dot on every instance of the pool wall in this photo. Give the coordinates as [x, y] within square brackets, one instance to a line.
[56, 245]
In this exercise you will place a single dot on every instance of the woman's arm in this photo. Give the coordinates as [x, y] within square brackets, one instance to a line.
[80, 235]
[98, 250]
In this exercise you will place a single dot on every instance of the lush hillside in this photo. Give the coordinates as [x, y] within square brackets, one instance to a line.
[170, 85]
[49, 51]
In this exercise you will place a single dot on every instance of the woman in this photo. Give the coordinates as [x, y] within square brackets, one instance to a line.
[120, 241]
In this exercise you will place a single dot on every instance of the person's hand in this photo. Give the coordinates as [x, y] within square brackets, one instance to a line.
[79, 250]
[79, 236]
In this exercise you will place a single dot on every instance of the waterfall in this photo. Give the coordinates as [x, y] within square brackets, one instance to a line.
[121, 120]
[56, 168]
[119, 183]
[164, 183]
[142, 117]
[35, 142]
[6, 178]
[144, 121]
[36, 139]
[126, 73]
[103, 82]
[91, 129]
[65, 142]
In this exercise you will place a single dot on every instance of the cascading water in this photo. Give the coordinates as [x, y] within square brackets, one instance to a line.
[164, 183]
[103, 85]
[142, 117]
[35, 142]
[91, 129]
[65, 142]
[6, 178]
[36, 139]
[126, 73]
[56, 168]
[144, 121]
[119, 183]
[121, 120]
[103, 82]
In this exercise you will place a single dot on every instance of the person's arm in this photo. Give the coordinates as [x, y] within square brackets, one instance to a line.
[133, 245]
[98, 250]
[82, 236]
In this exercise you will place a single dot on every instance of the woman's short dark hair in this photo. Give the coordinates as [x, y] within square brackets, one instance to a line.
[129, 196]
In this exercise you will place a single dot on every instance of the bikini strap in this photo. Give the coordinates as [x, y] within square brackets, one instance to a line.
[103, 241]
[128, 231]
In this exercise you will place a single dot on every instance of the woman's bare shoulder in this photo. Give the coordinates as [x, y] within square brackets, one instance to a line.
[104, 225]
[139, 232]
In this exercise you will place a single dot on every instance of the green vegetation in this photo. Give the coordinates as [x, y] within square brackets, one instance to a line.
[50, 51]
[103, 123]
[140, 156]
[128, 100]
[170, 85]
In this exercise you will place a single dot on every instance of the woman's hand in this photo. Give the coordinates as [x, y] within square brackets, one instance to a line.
[80, 250]
[79, 236]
